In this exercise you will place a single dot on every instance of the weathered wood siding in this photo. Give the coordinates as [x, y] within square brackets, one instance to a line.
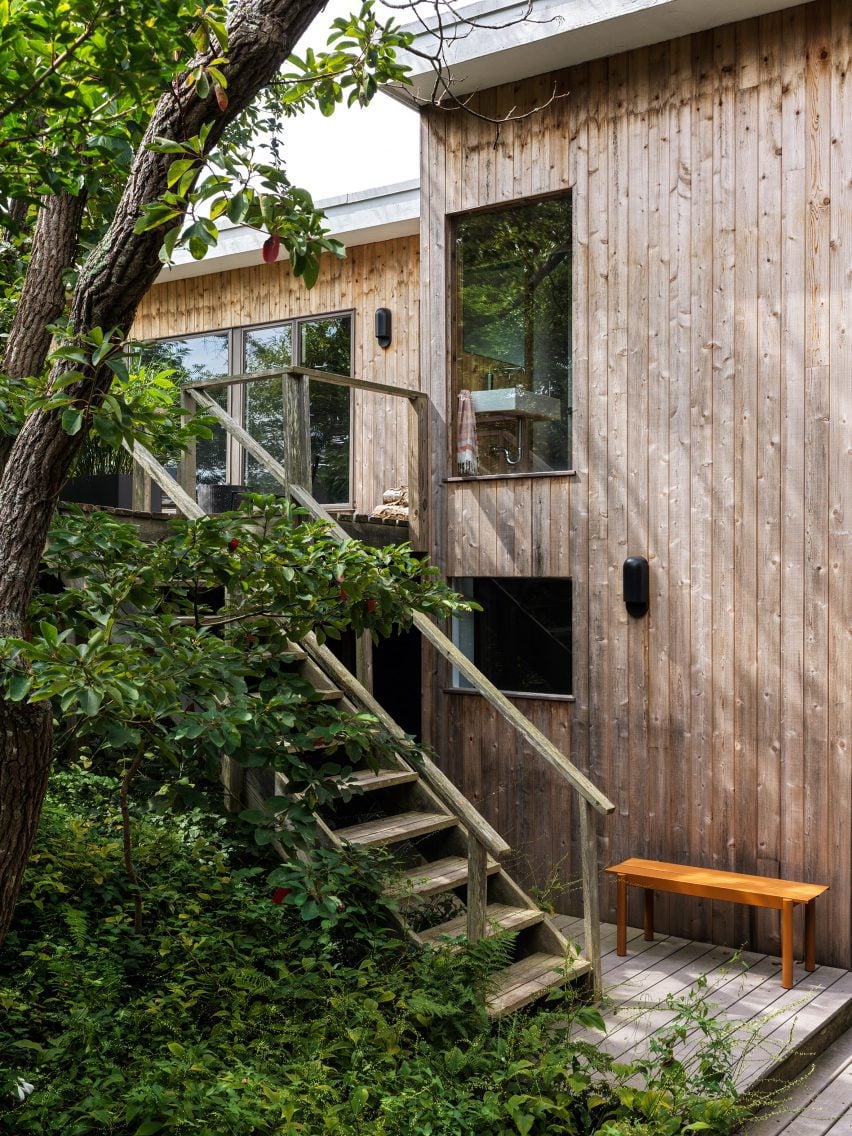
[712, 190]
[384, 274]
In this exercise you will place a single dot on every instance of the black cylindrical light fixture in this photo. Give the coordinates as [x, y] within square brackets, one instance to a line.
[635, 581]
[384, 326]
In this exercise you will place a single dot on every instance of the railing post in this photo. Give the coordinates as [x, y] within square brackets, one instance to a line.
[364, 660]
[297, 429]
[418, 473]
[186, 466]
[591, 902]
[477, 889]
[141, 488]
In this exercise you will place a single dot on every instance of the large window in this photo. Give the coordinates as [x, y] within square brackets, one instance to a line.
[324, 343]
[512, 356]
[521, 640]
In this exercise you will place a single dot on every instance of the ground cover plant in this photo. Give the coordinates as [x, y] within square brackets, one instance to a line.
[165, 972]
[233, 1014]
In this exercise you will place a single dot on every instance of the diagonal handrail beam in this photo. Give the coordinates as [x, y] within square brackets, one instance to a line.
[591, 799]
[529, 732]
[330, 377]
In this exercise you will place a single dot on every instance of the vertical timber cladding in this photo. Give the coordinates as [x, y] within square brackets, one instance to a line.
[712, 198]
[383, 274]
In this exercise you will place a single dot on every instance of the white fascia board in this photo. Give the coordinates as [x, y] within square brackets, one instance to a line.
[558, 33]
[355, 219]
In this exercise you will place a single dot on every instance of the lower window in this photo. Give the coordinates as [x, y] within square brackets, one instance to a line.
[521, 640]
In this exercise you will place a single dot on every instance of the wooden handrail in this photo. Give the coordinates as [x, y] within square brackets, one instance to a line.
[481, 838]
[309, 373]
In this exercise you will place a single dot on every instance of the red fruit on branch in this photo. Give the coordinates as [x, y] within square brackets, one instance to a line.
[233, 544]
[271, 247]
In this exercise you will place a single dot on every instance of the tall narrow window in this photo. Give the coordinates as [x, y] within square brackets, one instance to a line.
[326, 344]
[512, 358]
[266, 349]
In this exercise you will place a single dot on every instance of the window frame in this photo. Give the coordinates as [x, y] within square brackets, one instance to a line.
[455, 332]
[234, 452]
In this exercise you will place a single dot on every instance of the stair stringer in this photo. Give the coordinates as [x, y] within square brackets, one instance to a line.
[546, 959]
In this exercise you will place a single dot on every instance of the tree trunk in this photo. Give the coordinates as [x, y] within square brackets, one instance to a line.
[113, 281]
[42, 301]
[26, 746]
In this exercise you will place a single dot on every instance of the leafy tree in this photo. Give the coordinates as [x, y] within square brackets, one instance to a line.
[125, 129]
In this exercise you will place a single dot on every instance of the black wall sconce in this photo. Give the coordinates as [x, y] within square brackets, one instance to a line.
[384, 326]
[635, 582]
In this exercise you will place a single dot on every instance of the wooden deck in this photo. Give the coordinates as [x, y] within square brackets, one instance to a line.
[779, 1035]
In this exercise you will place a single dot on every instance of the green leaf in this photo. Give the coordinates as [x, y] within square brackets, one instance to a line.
[72, 420]
[19, 685]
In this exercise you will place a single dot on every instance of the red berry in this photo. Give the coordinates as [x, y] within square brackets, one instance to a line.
[233, 544]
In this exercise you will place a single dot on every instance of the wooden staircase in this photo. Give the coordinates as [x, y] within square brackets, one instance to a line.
[452, 884]
[442, 897]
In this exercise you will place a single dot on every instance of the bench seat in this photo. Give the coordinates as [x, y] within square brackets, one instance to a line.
[711, 883]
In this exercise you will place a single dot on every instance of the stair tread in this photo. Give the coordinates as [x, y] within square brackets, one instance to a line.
[391, 829]
[500, 916]
[369, 779]
[524, 981]
[439, 875]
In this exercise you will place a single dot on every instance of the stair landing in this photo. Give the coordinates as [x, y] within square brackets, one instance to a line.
[781, 1031]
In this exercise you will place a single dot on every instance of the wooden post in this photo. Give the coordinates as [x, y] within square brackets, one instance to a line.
[477, 889]
[418, 474]
[297, 429]
[591, 902]
[186, 466]
[140, 490]
[364, 660]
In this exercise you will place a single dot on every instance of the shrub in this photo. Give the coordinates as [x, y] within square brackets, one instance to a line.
[231, 1014]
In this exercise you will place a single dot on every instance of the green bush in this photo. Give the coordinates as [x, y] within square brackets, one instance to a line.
[232, 1015]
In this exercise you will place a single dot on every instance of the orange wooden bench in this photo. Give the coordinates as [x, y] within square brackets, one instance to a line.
[756, 891]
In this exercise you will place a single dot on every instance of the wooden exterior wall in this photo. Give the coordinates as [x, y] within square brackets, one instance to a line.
[384, 274]
[712, 192]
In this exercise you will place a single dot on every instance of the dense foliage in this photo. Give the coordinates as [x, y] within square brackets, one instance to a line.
[231, 1015]
[161, 658]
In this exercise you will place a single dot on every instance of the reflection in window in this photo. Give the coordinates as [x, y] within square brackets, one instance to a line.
[521, 640]
[194, 359]
[325, 344]
[266, 349]
[513, 338]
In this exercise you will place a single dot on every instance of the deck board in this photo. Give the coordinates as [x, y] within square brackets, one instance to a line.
[768, 1022]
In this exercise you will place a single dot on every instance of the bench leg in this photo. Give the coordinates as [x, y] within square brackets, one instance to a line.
[787, 943]
[810, 936]
[649, 913]
[621, 916]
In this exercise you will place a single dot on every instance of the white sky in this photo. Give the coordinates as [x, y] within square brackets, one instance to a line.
[357, 148]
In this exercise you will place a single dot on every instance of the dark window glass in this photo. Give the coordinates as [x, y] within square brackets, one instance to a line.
[326, 344]
[513, 339]
[194, 359]
[266, 349]
[521, 640]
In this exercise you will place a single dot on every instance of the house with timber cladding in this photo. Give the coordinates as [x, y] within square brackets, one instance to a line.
[624, 285]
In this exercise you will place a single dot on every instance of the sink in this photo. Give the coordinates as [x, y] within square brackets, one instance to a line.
[516, 401]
